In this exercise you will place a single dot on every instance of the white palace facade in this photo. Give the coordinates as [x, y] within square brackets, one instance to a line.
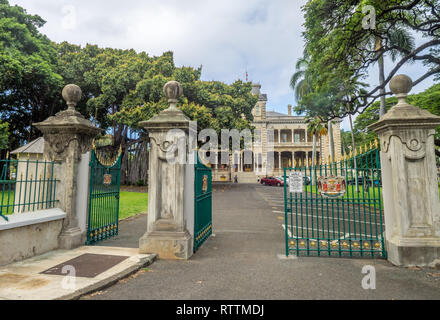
[292, 143]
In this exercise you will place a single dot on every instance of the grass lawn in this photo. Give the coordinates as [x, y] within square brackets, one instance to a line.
[4, 202]
[351, 193]
[132, 203]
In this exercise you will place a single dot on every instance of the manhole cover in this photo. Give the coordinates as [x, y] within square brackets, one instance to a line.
[87, 265]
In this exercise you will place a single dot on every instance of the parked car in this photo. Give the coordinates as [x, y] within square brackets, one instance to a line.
[369, 180]
[272, 181]
[282, 179]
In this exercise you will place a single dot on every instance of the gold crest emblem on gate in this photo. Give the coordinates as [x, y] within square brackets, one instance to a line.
[332, 186]
[107, 179]
[205, 183]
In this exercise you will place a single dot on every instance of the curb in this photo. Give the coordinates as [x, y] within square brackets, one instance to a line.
[111, 280]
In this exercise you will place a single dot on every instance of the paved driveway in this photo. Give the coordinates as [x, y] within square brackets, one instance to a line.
[241, 261]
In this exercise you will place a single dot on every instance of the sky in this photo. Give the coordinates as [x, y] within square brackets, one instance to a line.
[227, 37]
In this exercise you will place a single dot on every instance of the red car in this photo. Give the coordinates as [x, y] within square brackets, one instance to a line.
[272, 181]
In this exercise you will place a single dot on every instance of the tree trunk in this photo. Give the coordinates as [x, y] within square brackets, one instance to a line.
[313, 158]
[320, 149]
[353, 145]
[381, 63]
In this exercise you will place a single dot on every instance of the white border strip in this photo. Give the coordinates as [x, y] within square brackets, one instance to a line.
[18, 220]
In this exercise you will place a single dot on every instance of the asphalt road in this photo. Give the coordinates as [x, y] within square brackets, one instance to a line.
[243, 260]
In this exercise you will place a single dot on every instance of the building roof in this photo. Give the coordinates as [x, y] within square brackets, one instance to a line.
[35, 146]
[273, 114]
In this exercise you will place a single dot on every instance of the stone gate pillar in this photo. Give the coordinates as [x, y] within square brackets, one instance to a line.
[409, 174]
[68, 135]
[167, 234]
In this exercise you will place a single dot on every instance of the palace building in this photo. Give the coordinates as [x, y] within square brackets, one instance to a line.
[292, 144]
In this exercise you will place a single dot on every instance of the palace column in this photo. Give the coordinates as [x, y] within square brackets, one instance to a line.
[279, 161]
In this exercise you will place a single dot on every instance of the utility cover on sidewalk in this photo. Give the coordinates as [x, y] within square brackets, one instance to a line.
[88, 265]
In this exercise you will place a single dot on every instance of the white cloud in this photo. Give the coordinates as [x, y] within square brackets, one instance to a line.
[226, 37]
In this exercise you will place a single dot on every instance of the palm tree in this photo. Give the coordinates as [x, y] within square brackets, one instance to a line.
[317, 129]
[398, 38]
[353, 145]
[301, 85]
[298, 82]
[311, 128]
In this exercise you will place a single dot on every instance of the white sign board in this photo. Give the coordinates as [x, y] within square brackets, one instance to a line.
[296, 182]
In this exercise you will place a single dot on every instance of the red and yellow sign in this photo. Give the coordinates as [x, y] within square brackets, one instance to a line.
[107, 179]
[332, 186]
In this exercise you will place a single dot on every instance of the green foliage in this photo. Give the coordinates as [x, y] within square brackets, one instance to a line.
[4, 135]
[120, 87]
[429, 100]
[29, 82]
[212, 104]
[341, 50]
[346, 141]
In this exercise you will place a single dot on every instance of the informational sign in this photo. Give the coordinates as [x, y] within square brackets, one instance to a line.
[332, 186]
[107, 179]
[296, 182]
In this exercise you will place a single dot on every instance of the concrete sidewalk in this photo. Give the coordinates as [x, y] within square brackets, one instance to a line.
[23, 280]
[242, 261]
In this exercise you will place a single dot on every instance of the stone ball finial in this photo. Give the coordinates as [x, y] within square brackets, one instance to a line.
[72, 94]
[173, 90]
[401, 85]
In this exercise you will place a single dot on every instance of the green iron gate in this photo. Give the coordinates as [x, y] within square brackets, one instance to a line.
[202, 203]
[334, 216]
[103, 219]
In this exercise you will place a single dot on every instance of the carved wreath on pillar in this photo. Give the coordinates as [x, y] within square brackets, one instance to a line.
[414, 147]
[58, 144]
[166, 147]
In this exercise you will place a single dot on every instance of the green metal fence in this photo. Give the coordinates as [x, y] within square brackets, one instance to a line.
[103, 219]
[26, 186]
[347, 225]
[202, 203]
